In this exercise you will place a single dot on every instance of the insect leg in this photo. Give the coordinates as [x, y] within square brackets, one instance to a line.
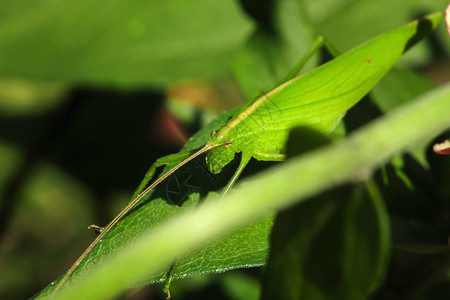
[318, 43]
[173, 158]
[331, 48]
[269, 156]
[315, 46]
[246, 156]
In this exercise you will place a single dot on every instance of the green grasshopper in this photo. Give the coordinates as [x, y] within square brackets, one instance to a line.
[259, 129]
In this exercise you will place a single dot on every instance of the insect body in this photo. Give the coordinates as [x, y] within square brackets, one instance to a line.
[260, 129]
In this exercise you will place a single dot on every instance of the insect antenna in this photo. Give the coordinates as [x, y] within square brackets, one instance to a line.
[127, 208]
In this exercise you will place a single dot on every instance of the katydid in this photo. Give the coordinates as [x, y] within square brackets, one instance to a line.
[259, 129]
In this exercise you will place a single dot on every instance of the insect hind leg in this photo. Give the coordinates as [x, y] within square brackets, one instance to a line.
[162, 161]
[318, 43]
[245, 158]
[269, 156]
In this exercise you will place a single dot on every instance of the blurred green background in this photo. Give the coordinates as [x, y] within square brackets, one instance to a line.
[92, 92]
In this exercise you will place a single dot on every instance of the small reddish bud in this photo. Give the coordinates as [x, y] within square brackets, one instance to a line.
[442, 148]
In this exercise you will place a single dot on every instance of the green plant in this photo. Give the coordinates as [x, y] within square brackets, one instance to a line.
[259, 128]
[338, 244]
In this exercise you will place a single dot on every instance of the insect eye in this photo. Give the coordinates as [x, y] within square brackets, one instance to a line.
[227, 143]
[213, 132]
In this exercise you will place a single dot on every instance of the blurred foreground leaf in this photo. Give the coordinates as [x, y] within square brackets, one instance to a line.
[397, 88]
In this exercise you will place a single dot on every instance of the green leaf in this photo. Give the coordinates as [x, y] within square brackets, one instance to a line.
[276, 188]
[292, 245]
[335, 246]
[366, 237]
[119, 42]
[244, 248]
